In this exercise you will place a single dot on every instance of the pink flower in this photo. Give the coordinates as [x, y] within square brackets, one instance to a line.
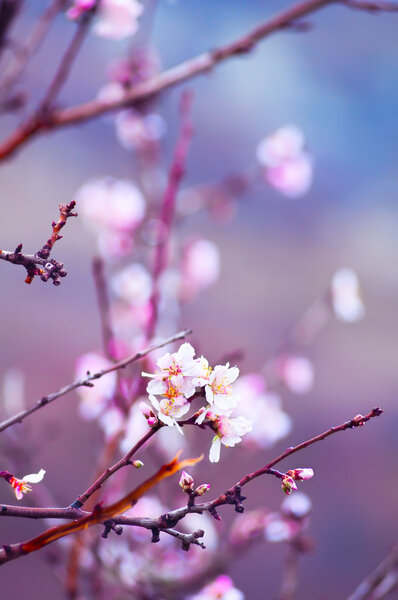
[301, 474]
[228, 432]
[133, 284]
[108, 203]
[296, 372]
[270, 422]
[200, 267]
[93, 400]
[346, 296]
[117, 19]
[78, 8]
[288, 167]
[171, 407]
[21, 485]
[222, 588]
[135, 131]
[219, 392]
[178, 369]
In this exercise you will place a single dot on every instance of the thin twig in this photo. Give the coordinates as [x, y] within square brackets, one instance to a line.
[40, 263]
[86, 381]
[198, 65]
[32, 44]
[371, 582]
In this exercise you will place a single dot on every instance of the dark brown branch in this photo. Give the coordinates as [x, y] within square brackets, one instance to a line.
[198, 65]
[166, 521]
[40, 263]
[87, 381]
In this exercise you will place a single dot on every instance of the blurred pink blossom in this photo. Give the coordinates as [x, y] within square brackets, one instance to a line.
[79, 7]
[109, 203]
[270, 423]
[133, 284]
[93, 400]
[297, 505]
[222, 588]
[117, 19]
[135, 130]
[288, 166]
[200, 267]
[296, 372]
[346, 296]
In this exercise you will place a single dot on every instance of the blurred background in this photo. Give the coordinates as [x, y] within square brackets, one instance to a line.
[337, 81]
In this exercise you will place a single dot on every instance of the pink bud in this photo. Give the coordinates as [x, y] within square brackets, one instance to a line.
[152, 421]
[288, 484]
[146, 411]
[186, 482]
[301, 474]
[202, 489]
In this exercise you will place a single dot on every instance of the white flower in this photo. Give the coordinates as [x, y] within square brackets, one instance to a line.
[21, 485]
[282, 145]
[117, 19]
[346, 296]
[178, 369]
[171, 407]
[228, 432]
[219, 391]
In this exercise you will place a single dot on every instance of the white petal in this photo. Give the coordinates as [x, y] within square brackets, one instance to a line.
[215, 448]
[34, 477]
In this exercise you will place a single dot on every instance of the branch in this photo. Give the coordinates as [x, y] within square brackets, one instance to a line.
[86, 381]
[166, 521]
[32, 44]
[197, 65]
[100, 513]
[375, 579]
[176, 174]
[40, 262]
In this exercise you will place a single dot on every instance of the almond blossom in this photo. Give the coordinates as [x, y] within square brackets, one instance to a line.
[228, 432]
[171, 407]
[222, 588]
[218, 389]
[117, 19]
[346, 296]
[21, 485]
[271, 423]
[179, 369]
[288, 166]
[200, 267]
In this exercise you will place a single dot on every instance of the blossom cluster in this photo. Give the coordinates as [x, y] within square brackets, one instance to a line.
[179, 378]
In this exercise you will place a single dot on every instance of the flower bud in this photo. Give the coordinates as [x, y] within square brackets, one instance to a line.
[202, 489]
[152, 421]
[301, 474]
[186, 482]
[138, 464]
[288, 484]
[146, 411]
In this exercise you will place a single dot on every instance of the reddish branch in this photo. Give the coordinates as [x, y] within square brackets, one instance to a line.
[168, 520]
[195, 66]
[87, 381]
[40, 263]
[166, 216]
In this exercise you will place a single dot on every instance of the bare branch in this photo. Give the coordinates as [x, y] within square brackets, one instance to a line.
[197, 65]
[40, 263]
[86, 381]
